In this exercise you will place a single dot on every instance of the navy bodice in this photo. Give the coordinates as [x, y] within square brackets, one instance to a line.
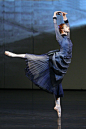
[66, 47]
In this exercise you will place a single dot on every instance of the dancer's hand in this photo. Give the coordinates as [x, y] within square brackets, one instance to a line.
[64, 15]
[57, 13]
[60, 13]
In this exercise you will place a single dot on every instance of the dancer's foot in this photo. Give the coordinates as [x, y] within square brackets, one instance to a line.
[10, 54]
[58, 109]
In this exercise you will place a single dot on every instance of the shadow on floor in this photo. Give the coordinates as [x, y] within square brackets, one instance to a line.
[26, 109]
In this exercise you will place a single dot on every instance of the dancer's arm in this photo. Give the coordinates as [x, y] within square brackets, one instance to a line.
[66, 21]
[58, 35]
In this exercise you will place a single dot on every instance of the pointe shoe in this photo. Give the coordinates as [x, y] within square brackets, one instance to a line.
[58, 109]
[9, 54]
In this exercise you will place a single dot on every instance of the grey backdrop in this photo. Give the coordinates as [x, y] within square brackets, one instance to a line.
[26, 26]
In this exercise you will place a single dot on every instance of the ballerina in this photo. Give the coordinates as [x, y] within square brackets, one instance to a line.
[47, 70]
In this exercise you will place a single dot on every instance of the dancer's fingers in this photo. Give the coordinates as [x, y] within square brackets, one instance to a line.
[64, 13]
[57, 12]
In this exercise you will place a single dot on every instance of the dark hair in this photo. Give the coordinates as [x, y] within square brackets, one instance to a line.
[61, 26]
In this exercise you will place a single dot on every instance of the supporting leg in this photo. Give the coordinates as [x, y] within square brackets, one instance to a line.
[57, 106]
[14, 55]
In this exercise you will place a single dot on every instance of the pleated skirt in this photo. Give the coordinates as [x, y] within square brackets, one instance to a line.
[38, 71]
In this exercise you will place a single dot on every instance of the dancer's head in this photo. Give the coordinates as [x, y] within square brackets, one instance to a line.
[63, 28]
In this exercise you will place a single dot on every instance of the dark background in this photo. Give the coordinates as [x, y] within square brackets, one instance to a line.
[26, 26]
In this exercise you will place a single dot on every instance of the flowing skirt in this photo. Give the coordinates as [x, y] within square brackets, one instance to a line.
[39, 71]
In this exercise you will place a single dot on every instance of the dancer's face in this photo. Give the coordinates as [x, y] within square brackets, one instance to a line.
[66, 28]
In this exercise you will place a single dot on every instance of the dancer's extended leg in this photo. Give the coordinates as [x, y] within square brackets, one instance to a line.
[14, 55]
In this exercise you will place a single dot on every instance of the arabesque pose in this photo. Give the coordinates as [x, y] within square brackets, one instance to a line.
[47, 70]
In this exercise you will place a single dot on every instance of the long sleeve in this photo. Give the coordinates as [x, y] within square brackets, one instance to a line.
[67, 23]
[58, 35]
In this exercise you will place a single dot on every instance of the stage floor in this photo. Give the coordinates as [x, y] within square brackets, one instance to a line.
[29, 109]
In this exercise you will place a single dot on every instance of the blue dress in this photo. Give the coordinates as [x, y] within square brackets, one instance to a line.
[47, 70]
